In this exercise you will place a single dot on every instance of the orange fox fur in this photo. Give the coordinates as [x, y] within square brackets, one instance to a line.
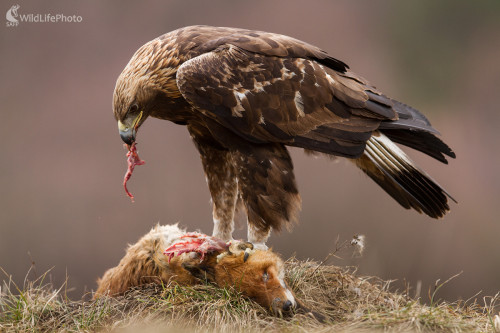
[260, 277]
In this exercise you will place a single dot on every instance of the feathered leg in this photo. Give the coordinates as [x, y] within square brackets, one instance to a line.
[268, 190]
[265, 181]
[221, 178]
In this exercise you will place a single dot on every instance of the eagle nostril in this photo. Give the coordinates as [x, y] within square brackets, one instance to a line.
[287, 306]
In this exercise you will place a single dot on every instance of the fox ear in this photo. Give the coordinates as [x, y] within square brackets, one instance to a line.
[200, 271]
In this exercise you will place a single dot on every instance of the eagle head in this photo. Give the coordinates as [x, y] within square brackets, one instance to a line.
[145, 84]
[131, 105]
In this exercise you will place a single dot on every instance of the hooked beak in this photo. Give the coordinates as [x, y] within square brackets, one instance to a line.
[127, 133]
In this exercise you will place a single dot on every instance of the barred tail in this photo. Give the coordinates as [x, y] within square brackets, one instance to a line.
[393, 170]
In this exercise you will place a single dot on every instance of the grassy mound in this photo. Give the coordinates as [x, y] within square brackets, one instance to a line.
[347, 302]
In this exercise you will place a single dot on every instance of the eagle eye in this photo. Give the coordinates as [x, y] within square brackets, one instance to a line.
[133, 108]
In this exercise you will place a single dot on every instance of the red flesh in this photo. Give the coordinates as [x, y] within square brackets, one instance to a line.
[196, 242]
[132, 160]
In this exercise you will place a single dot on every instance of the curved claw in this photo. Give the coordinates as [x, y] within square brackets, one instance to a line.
[246, 255]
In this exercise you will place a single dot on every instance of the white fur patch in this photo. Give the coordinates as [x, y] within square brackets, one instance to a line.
[290, 297]
[169, 233]
[288, 293]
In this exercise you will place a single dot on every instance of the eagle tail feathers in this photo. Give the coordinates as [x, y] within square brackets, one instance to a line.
[392, 169]
[408, 119]
[423, 141]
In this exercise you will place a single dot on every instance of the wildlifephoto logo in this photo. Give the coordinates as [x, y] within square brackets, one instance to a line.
[14, 17]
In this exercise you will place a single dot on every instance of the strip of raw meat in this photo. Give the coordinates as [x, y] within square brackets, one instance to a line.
[132, 160]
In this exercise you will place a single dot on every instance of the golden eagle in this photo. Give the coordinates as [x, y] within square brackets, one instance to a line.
[245, 95]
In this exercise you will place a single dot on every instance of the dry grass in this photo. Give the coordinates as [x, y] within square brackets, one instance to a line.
[349, 303]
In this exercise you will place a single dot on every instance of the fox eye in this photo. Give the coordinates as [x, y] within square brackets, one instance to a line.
[265, 277]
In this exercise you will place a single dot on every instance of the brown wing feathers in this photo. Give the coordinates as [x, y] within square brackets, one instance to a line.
[271, 99]
[272, 88]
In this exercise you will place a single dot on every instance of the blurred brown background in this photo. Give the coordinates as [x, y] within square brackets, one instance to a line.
[62, 161]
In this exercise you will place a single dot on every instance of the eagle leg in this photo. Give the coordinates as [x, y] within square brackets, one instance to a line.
[221, 180]
[258, 237]
[267, 186]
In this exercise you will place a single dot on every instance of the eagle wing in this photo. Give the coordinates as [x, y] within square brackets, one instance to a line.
[267, 96]
[268, 88]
